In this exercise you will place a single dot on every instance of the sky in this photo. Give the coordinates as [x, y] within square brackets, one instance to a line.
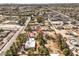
[38, 1]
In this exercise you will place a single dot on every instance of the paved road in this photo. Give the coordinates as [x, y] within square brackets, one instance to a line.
[63, 34]
[52, 27]
[5, 40]
[13, 39]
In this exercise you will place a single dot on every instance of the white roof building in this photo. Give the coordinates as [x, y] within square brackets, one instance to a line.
[9, 26]
[30, 43]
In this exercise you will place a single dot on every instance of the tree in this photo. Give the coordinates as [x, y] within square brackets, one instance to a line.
[1, 30]
[21, 22]
[8, 53]
[40, 19]
[16, 46]
[43, 51]
[66, 52]
[13, 49]
[59, 37]
[31, 51]
[18, 43]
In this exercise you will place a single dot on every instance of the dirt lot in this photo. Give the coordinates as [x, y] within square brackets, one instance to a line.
[53, 47]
